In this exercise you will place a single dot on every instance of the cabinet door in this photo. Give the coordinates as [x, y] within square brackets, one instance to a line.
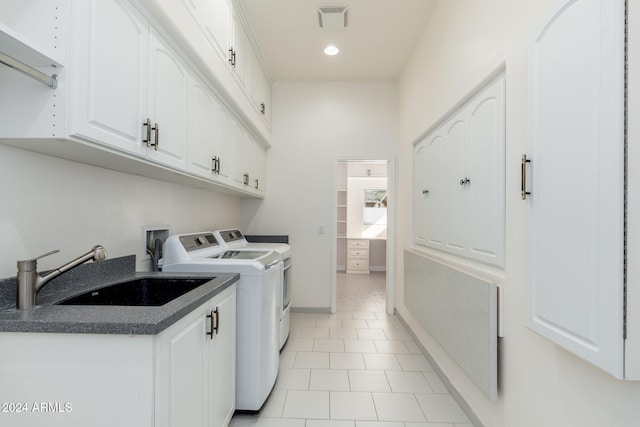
[217, 26]
[257, 160]
[485, 165]
[241, 47]
[168, 88]
[456, 194]
[224, 148]
[186, 378]
[258, 88]
[109, 90]
[576, 204]
[242, 155]
[202, 114]
[429, 192]
[222, 361]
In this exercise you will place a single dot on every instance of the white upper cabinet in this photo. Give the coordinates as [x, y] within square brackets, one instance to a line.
[225, 147]
[216, 24]
[576, 182]
[239, 50]
[108, 101]
[131, 101]
[168, 91]
[202, 127]
[459, 180]
[259, 88]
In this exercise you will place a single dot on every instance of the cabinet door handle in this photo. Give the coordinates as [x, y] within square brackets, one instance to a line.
[246, 179]
[464, 181]
[257, 182]
[425, 191]
[212, 327]
[523, 177]
[213, 164]
[156, 142]
[263, 108]
[147, 140]
[217, 323]
[218, 166]
[231, 56]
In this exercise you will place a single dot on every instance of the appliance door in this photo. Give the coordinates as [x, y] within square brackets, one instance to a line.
[286, 284]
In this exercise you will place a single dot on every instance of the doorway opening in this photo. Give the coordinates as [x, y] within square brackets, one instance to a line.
[363, 237]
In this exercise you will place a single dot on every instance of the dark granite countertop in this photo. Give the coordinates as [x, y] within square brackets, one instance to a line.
[128, 320]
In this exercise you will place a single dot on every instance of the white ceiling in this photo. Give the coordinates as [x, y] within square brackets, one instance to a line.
[375, 45]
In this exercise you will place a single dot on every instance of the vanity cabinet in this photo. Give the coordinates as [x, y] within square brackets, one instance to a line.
[459, 180]
[182, 376]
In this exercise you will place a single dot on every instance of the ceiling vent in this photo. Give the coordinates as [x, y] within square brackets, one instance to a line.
[333, 18]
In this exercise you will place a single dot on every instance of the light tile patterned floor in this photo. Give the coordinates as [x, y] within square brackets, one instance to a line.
[356, 368]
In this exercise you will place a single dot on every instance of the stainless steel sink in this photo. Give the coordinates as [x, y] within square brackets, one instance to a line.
[150, 291]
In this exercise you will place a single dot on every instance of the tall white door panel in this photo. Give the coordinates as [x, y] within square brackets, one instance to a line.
[576, 178]
[458, 215]
[486, 171]
[217, 26]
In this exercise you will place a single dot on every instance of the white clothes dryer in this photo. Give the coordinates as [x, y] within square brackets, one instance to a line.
[234, 239]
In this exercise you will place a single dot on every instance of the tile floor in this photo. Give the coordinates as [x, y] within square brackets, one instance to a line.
[356, 368]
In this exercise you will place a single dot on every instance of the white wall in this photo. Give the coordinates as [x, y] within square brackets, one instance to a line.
[49, 203]
[314, 124]
[540, 384]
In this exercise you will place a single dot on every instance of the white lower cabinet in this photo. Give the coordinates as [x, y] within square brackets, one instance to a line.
[180, 377]
[196, 366]
[459, 180]
[357, 256]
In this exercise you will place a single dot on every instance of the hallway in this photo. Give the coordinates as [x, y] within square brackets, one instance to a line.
[356, 368]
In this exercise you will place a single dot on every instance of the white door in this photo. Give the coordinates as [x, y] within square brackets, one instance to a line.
[429, 193]
[577, 181]
[222, 361]
[217, 26]
[224, 149]
[110, 74]
[187, 380]
[241, 51]
[457, 213]
[168, 95]
[202, 114]
[485, 164]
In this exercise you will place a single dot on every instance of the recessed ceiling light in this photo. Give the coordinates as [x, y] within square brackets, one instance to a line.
[331, 50]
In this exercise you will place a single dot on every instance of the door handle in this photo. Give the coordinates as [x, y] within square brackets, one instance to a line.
[523, 177]
[156, 142]
[464, 181]
[212, 327]
[147, 140]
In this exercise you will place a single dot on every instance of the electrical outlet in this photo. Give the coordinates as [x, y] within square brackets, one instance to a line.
[149, 236]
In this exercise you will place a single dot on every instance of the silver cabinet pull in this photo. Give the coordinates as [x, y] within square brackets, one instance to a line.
[257, 182]
[148, 125]
[464, 181]
[523, 177]
[245, 181]
[212, 327]
[263, 108]
[156, 142]
[217, 323]
[425, 191]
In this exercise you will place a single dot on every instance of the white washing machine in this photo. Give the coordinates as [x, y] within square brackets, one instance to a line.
[258, 309]
[234, 239]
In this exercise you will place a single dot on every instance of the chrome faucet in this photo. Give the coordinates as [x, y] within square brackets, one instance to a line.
[30, 282]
